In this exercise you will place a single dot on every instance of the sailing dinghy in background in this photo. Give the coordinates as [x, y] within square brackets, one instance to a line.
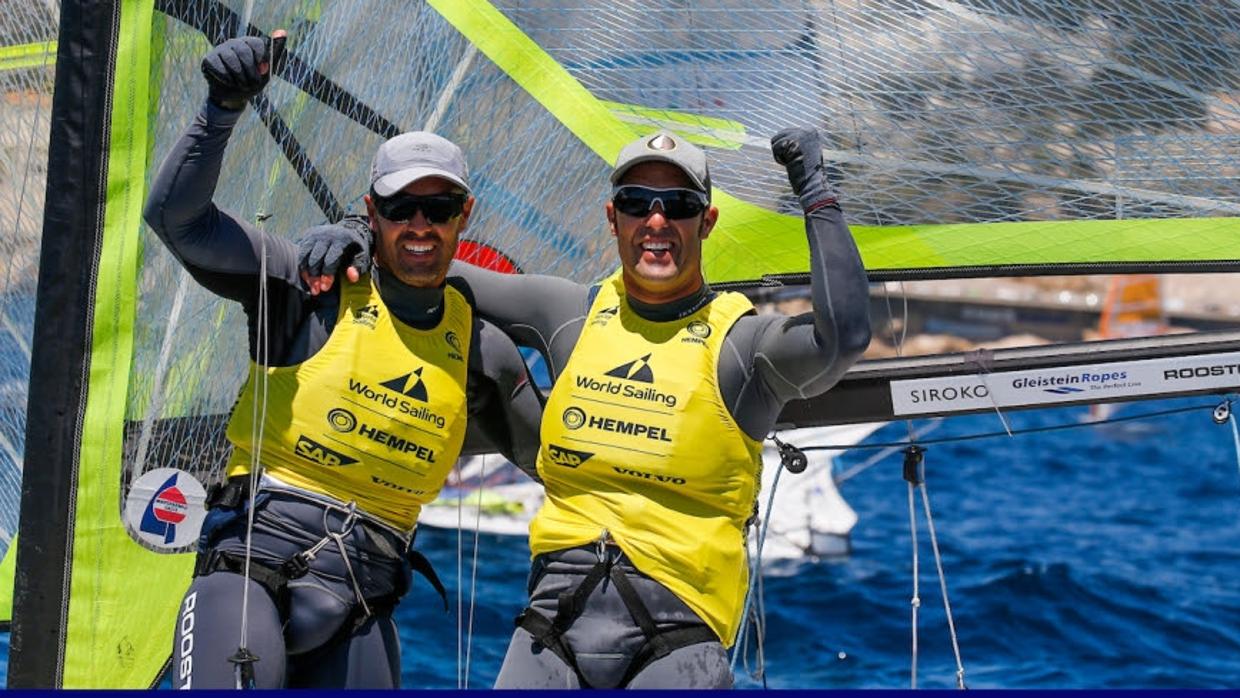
[967, 137]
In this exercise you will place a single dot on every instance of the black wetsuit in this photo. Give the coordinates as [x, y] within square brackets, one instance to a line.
[309, 633]
[767, 360]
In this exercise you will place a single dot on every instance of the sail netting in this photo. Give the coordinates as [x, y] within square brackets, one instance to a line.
[972, 138]
[27, 61]
[967, 138]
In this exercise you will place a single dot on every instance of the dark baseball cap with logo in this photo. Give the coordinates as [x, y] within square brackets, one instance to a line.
[416, 155]
[665, 146]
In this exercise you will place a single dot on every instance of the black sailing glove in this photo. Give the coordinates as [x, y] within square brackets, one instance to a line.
[325, 250]
[236, 70]
[800, 151]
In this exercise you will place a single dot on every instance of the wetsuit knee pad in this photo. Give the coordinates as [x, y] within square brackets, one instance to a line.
[316, 614]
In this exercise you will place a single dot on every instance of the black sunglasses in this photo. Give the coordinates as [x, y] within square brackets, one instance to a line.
[678, 203]
[437, 208]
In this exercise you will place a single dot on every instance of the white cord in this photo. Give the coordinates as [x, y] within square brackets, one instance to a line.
[938, 563]
[473, 575]
[756, 568]
[915, 602]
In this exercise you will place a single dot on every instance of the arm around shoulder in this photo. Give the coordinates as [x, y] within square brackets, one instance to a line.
[511, 413]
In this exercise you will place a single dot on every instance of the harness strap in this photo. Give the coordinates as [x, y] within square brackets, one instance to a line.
[671, 641]
[274, 580]
[639, 612]
[571, 604]
[418, 563]
[547, 635]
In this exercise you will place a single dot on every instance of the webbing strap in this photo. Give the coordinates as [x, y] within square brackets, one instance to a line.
[571, 604]
[418, 563]
[672, 640]
[549, 636]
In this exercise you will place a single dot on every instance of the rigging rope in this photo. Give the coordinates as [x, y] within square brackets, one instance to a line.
[915, 601]
[938, 563]
[755, 571]
[244, 659]
[473, 575]
[1224, 411]
[460, 557]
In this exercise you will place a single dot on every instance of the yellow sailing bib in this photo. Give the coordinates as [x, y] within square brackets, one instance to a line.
[377, 416]
[636, 440]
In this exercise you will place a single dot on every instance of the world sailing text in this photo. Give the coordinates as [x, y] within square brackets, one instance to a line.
[419, 412]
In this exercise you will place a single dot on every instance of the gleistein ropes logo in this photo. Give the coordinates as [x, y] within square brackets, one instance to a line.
[402, 393]
[632, 380]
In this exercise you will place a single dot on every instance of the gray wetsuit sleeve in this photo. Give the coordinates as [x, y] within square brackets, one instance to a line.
[219, 250]
[545, 313]
[771, 359]
[503, 400]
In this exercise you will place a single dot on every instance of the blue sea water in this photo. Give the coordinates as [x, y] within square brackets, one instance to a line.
[1103, 557]
[1100, 557]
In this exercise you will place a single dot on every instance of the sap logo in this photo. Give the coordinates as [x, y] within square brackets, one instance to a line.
[635, 370]
[410, 385]
[165, 510]
[567, 457]
[366, 315]
[454, 342]
[315, 452]
[602, 317]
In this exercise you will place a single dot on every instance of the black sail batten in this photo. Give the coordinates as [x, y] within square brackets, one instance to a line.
[60, 357]
[297, 156]
[218, 22]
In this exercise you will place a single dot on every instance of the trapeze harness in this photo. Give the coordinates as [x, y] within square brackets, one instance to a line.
[638, 448]
[340, 429]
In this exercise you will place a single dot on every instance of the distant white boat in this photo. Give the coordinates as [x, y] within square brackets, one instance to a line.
[809, 518]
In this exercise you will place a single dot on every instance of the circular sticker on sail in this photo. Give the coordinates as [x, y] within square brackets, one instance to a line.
[165, 508]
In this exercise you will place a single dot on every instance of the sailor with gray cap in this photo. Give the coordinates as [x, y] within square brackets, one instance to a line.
[411, 156]
[666, 147]
[326, 554]
[663, 393]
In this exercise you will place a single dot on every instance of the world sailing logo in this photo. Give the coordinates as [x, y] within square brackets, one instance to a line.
[165, 508]
[410, 386]
[635, 370]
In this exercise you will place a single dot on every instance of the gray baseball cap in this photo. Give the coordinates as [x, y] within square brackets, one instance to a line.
[665, 146]
[413, 156]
